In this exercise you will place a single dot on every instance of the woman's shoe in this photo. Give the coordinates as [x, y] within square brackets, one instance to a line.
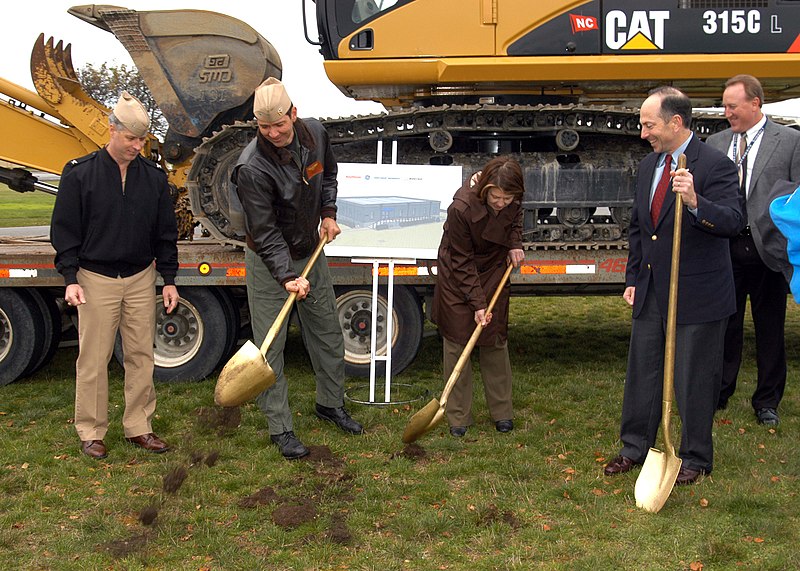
[504, 425]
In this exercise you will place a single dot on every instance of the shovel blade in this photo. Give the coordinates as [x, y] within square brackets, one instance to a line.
[656, 480]
[423, 421]
[246, 375]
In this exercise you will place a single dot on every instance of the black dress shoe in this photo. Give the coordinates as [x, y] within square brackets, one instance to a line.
[767, 416]
[504, 425]
[340, 418]
[687, 476]
[289, 445]
[619, 465]
[94, 449]
[458, 431]
[722, 404]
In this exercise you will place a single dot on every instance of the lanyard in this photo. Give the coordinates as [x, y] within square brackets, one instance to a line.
[748, 147]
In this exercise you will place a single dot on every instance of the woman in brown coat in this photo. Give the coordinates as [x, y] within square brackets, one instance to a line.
[482, 235]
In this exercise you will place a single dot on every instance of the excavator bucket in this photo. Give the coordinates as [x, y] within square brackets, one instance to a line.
[201, 67]
[56, 82]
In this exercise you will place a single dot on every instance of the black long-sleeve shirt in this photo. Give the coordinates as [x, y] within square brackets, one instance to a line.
[99, 226]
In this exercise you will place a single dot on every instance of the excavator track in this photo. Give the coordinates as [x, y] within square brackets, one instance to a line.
[579, 161]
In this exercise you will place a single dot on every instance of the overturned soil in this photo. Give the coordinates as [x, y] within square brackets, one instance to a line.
[221, 420]
[338, 532]
[322, 455]
[491, 514]
[262, 497]
[412, 451]
[294, 514]
[148, 515]
[174, 479]
[121, 548]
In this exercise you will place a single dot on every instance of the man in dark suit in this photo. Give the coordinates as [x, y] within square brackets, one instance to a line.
[709, 188]
[765, 153]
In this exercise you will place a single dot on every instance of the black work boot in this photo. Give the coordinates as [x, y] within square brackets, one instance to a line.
[289, 445]
[340, 418]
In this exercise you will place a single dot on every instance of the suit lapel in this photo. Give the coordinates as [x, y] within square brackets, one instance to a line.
[769, 144]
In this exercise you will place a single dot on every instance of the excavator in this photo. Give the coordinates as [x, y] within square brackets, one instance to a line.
[554, 83]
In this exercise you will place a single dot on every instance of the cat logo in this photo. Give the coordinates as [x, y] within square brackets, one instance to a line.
[644, 30]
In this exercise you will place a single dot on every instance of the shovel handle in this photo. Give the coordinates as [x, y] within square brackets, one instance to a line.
[672, 319]
[287, 305]
[471, 343]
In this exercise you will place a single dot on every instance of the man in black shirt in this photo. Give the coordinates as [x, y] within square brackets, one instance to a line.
[113, 227]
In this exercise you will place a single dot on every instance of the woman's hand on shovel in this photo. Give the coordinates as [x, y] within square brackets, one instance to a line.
[483, 318]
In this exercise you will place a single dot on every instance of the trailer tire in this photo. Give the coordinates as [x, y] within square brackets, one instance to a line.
[51, 335]
[21, 334]
[190, 341]
[233, 320]
[354, 310]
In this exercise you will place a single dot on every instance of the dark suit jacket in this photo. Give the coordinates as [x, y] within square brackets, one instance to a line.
[705, 286]
[778, 159]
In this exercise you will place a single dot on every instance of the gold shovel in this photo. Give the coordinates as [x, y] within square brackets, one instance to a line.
[660, 470]
[432, 413]
[247, 374]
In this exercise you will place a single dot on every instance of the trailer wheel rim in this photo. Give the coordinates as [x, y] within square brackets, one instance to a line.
[355, 318]
[6, 336]
[179, 334]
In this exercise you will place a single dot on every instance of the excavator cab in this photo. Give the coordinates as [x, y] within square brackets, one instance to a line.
[411, 52]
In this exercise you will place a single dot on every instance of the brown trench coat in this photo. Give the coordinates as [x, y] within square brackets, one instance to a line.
[472, 261]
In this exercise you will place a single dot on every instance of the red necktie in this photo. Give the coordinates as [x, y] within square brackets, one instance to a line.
[661, 191]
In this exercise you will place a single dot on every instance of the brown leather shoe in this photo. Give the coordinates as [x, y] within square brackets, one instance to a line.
[149, 442]
[94, 449]
[687, 476]
[619, 465]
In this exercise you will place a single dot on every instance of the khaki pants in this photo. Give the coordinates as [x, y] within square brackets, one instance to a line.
[127, 305]
[496, 374]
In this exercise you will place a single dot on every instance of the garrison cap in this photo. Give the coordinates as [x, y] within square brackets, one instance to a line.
[132, 115]
[271, 102]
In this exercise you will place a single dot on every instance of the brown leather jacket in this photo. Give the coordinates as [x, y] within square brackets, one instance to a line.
[471, 262]
[282, 205]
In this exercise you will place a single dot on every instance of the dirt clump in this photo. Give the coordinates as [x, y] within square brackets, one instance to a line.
[121, 548]
[491, 514]
[174, 479]
[412, 451]
[220, 419]
[212, 458]
[322, 455]
[338, 532]
[148, 515]
[262, 497]
[290, 515]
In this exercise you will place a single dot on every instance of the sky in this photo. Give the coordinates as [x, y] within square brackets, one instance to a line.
[279, 21]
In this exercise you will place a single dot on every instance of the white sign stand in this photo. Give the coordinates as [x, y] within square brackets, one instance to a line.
[373, 346]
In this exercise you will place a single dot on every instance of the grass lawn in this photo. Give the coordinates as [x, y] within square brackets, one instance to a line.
[25, 209]
[535, 498]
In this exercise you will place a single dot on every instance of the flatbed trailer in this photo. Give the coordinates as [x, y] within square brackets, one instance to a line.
[212, 317]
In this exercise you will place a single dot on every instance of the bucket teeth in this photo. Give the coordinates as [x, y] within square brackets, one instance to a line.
[56, 81]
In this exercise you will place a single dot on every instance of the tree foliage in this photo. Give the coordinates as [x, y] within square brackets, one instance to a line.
[104, 83]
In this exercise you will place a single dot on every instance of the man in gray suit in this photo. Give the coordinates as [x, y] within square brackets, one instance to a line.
[764, 152]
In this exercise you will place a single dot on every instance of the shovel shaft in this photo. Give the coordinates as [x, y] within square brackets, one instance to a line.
[672, 320]
[471, 343]
[287, 305]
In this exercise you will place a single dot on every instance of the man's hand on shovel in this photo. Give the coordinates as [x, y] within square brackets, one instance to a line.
[299, 286]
